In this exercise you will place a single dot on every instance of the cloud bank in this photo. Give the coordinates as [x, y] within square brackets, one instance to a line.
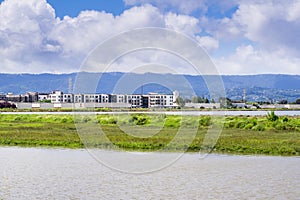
[258, 37]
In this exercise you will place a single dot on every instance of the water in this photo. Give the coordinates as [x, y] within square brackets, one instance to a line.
[227, 112]
[31, 173]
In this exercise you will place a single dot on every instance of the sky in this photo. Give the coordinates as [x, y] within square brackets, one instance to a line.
[240, 37]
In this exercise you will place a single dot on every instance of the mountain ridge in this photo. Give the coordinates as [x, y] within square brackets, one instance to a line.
[260, 87]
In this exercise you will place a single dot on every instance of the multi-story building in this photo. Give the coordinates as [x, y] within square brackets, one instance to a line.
[78, 98]
[151, 100]
[68, 98]
[117, 98]
[56, 97]
[13, 97]
[135, 100]
[104, 98]
[160, 100]
[44, 97]
[30, 97]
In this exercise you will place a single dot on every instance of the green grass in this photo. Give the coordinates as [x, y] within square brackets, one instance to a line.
[151, 132]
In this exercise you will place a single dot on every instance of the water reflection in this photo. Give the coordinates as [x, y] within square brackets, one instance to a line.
[31, 173]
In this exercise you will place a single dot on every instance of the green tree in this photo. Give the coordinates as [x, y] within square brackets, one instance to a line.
[283, 102]
[298, 101]
[197, 99]
[180, 102]
[225, 102]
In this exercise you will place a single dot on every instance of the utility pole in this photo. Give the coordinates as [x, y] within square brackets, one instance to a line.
[70, 86]
[142, 89]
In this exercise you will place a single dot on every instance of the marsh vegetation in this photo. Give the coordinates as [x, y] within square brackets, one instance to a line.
[269, 135]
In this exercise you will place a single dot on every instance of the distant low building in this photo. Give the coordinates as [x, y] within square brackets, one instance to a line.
[203, 105]
[2, 97]
[13, 97]
[44, 97]
[30, 97]
[239, 105]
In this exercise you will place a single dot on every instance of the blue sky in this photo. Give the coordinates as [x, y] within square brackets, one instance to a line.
[241, 37]
[116, 7]
[73, 8]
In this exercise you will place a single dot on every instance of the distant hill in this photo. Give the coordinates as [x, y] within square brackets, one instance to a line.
[258, 87]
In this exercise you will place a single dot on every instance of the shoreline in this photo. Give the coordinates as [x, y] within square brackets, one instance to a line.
[218, 154]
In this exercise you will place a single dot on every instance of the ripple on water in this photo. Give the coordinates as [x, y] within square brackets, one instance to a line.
[30, 173]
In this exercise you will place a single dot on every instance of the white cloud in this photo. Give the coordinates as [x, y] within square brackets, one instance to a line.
[247, 60]
[271, 28]
[182, 23]
[209, 43]
[293, 13]
[32, 39]
[273, 25]
[264, 34]
[24, 26]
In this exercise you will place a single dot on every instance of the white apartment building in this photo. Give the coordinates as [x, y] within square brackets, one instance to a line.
[117, 98]
[104, 98]
[68, 98]
[44, 96]
[91, 98]
[56, 97]
[156, 100]
[78, 98]
[135, 100]
[151, 100]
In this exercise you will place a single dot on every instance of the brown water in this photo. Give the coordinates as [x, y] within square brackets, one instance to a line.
[31, 173]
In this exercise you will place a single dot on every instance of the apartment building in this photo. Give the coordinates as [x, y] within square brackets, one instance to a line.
[56, 97]
[135, 100]
[117, 98]
[68, 98]
[78, 98]
[28, 97]
[151, 100]
[160, 100]
[43, 96]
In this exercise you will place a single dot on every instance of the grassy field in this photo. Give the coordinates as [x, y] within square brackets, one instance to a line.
[270, 135]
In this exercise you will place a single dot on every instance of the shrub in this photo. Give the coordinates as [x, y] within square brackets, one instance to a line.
[272, 117]
[258, 127]
[249, 126]
[229, 124]
[64, 120]
[205, 121]
[280, 126]
[285, 119]
[108, 120]
[173, 122]
[17, 118]
[240, 124]
[140, 119]
[7, 105]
